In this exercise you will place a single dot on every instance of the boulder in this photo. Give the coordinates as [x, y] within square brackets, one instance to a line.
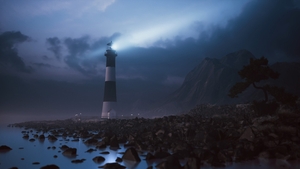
[4, 148]
[114, 143]
[70, 152]
[91, 141]
[131, 154]
[98, 159]
[42, 137]
[78, 161]
[161, 154]
[51, 166]
[112, 166]
[32, 140]
[119, 159]
[248, 135]
[52, 138]
[192, 163]
[64, 147]
[90, 150]
[26, 136]
[149, 156]
[171, 162]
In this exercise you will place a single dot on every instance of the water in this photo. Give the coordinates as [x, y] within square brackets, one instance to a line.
[37, 152]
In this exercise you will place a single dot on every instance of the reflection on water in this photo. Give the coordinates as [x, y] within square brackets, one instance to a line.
[24, 153]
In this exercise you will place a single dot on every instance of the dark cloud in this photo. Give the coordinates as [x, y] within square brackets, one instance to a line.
[41, 65]
[9, 57]
[266, 27]
[55, 46]
[84, 53]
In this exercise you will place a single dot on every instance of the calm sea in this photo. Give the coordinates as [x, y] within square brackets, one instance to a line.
[37, 152]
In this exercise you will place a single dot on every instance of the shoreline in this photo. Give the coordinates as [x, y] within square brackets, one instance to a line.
[216, 140]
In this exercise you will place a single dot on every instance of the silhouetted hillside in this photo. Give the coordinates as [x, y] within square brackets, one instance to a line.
[211, 80]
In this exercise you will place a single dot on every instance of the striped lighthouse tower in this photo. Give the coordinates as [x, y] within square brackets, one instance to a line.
[110, 94]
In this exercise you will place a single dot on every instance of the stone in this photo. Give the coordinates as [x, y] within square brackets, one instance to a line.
[98, 159]
[112, 166]
[64, 147]
[91, 141]
[26, 136]
[131, 155]
[70, 152]
[114, 143]
[52, 138]
[119, 159]
[51, 166]
[104, 152]
[192, 163]
[171, 162]
[4, 148]
[90, 150]
[77, 161]
[149, 156]
[32, 140]
[248, 135]
[161, 154]
[36, 163]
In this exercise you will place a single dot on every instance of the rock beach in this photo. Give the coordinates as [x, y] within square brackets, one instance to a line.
[207, 134]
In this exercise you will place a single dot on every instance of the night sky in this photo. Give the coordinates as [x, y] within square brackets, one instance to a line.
[52, 61]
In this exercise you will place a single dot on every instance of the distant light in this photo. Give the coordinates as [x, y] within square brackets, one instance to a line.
[114, 46]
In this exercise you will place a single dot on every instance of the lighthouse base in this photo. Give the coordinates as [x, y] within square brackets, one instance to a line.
[108, 110]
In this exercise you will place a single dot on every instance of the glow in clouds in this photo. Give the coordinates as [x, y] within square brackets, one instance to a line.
[146, 37]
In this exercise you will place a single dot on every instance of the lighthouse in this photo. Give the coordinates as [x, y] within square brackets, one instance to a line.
[110, 94]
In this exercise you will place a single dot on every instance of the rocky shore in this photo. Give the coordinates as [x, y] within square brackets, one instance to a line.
[213, 135]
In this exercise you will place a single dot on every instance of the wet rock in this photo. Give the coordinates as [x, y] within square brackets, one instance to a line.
[35, 136]
[119, 159]
[26, 136]
[150, 167]
[132, 155]
[161, 154]
[52, 138]
[55, 156]
[51, 166]
[77, 161]
[112, 166]
[70, 152]
[32, 140]
[104, 152]
[101, 144]
[64, 147]
[98, 159]
[192, 163]
[149, 156]
[248, 135]
[171, 162]
[4, 148]
[90, 150]
[41, 137]
[35, 163]
[91, 141]
[75, 140]
[114, 143]
[53, 147]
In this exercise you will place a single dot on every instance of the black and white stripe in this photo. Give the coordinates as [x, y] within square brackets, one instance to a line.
[110, 94]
